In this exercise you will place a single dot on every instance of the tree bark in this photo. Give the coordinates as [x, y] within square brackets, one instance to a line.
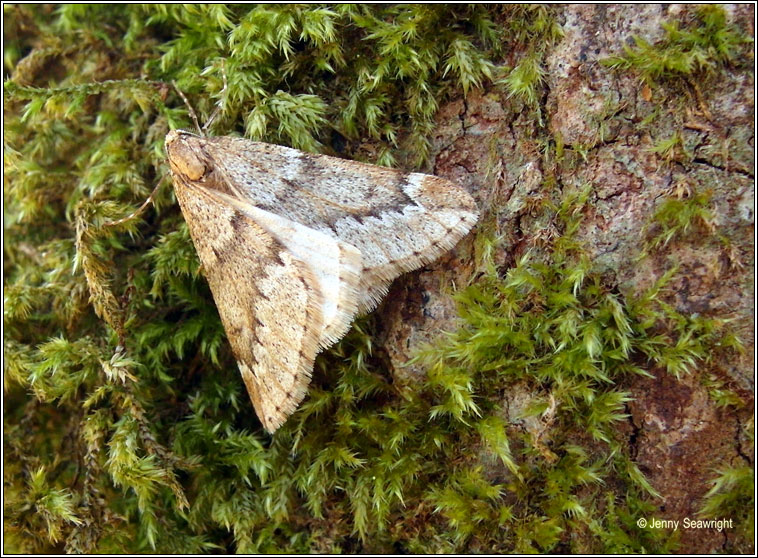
[679, 436]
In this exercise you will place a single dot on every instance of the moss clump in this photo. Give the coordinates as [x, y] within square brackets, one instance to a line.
[537, 28]
[678, 217]
[703, 45]
[552, 329]
[104, 445]
[370, 73]
[732, 496]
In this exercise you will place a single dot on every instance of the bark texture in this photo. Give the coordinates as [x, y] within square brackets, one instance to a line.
[679, 436]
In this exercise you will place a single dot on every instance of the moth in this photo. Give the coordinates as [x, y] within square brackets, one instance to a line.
[295, 245]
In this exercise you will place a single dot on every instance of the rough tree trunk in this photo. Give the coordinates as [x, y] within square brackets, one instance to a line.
[679, 436]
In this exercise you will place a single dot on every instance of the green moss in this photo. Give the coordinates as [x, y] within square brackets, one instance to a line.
[551, 328]
[536, 27]
[677, 217]
[127, 428]
[720, 393]
[703, 45]
[671, 148]
[732, 497]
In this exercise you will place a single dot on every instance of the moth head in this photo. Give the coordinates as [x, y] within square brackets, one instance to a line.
[185, 154]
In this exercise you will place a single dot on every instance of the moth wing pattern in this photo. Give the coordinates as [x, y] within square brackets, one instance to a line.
[398, 221]
[270, 303]
[335, 264]
[295, 245]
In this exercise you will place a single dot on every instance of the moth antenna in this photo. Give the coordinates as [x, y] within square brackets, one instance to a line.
[140, 209]
[190, 109]
[217, 110]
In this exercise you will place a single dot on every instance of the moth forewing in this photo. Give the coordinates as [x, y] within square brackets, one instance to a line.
[295, 244]
[336, 265]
